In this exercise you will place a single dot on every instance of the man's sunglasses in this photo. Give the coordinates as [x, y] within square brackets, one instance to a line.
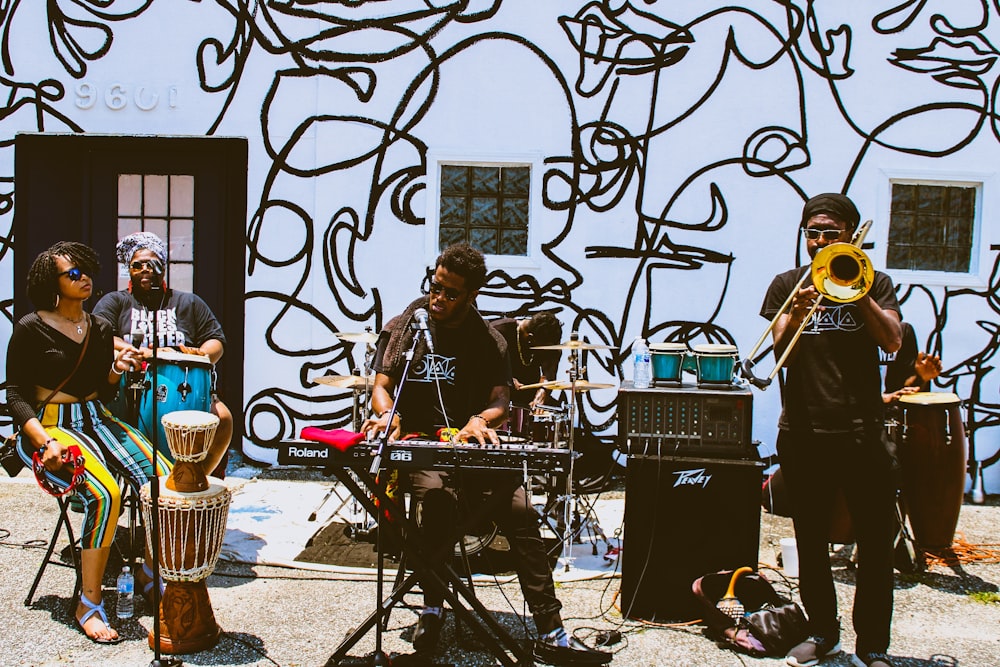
[143, 264]
[826, 234]
[450, 293]
[73, 274]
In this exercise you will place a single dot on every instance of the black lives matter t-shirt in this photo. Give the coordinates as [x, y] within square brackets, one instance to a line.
[183, 319]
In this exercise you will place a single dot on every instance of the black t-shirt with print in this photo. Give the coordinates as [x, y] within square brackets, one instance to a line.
[835, 379]
[467, 364]
[183, 319]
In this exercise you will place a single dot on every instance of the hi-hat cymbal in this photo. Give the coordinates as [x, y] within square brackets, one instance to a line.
[343, 381]
[556, 385]
[573, 345]
[366, 337]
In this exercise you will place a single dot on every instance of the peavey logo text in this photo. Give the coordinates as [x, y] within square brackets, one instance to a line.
[695, 477]
[307, 453]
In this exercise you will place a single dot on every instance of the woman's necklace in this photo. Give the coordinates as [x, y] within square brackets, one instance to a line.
[78, 322]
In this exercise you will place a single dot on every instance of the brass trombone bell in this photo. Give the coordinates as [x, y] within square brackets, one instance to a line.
[842, 272]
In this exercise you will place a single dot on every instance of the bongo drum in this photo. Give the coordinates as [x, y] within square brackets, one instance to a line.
[192, 528]
[715, 363]
[933, 458]
[177, 381]
[668, 360]
[189, 434]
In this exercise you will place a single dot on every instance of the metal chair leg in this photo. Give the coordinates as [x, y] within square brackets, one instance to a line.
[60, 524]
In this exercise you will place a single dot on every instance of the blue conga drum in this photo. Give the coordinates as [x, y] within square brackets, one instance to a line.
[175, 381]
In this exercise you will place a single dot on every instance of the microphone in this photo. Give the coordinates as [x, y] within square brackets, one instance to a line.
[420, 315]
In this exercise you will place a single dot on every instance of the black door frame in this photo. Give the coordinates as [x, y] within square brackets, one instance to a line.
[65, 188]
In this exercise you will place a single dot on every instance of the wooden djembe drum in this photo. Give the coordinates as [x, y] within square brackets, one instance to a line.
[192, 512]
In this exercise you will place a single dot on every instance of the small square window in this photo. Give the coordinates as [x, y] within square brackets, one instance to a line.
[486, 206]
[931, 227]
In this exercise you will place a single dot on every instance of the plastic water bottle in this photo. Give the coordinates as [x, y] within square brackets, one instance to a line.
[642, 365]
[126, 593]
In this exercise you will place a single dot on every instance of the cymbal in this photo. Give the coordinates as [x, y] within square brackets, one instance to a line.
[556, 385]
[573, 345]
[362, 337]
[343, 381]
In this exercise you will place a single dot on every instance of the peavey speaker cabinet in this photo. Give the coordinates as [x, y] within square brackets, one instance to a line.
[685, 517]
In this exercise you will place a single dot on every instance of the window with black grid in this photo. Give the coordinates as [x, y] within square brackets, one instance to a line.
[164, 205]
[486, 206]
[931, 227]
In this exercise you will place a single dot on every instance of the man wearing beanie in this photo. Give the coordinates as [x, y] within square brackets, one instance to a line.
[831, 437]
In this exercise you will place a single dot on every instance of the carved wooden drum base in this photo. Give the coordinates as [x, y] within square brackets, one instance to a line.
[187, 622]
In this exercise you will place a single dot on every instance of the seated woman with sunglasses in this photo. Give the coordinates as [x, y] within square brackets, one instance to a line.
[42, 354]
[184, 323]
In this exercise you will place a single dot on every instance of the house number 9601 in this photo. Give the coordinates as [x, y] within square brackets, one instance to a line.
[119, 96]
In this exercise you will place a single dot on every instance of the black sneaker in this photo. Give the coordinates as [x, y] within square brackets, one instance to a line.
[428, 631]
[812, 651]
[865, 659]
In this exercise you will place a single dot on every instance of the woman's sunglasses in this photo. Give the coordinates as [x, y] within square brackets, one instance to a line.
[73, 274]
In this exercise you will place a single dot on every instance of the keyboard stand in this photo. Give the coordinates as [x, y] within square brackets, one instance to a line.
[500, 643]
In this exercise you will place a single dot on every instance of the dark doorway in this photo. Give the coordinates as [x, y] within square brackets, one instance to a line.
[75, 187]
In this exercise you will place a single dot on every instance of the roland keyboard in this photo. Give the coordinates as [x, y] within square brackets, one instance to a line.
[429, 455]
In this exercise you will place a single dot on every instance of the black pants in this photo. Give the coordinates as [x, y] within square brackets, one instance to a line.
[441, 503]
[815, 465]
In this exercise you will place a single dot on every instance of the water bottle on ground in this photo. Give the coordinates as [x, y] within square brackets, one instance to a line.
[126, 593]
[642, 365]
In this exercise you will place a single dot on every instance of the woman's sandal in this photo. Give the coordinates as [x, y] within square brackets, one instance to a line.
[145, 580]
[91, 610]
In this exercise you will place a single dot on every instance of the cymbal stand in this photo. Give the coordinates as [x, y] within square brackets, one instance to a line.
[568, 500]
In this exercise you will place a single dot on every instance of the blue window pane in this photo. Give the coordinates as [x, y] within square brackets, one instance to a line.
[902, 197]
[516, 180]
[514, 242]
[515, 213]
[897, 257]
[928, 233]
[484, 239]
[485, 180]
[453, 210]
[450, 236]
[484, 212]
[454, 179]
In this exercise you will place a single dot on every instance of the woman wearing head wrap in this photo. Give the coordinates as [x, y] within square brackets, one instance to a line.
[831, 437]
[180, 321]
[58, 346]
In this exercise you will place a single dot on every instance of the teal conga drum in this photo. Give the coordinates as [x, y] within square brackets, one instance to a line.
[668, 360]
[715, 363]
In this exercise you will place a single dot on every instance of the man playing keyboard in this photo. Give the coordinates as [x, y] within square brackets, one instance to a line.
[463, 383]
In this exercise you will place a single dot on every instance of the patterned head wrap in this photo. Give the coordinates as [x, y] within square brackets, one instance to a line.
[128, 246]
[833, 204]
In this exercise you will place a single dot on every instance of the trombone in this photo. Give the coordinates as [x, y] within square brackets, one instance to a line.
[841, 272]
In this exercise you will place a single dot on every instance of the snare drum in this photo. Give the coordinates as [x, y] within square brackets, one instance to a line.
[715, 363]
[668, 359]
[541, 424]
[177, 381]
[933, 457]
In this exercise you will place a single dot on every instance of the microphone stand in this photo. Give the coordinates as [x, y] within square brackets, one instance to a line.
[379, 658]
[154, 496]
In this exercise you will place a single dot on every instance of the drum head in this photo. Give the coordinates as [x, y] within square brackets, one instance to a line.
[667, 347]
[196, 420]
[715, 348]
[930, 398]
[175, 357]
